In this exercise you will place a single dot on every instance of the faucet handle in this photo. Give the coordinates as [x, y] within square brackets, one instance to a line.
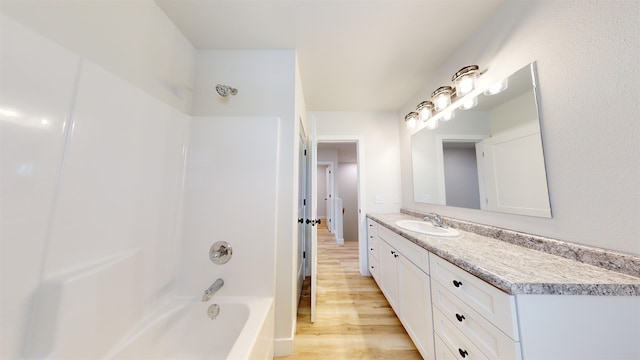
[220, 252]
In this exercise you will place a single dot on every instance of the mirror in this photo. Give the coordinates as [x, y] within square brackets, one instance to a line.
[489, 157]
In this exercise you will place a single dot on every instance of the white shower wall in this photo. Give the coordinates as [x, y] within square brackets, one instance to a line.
[231, 195]
[91, 172]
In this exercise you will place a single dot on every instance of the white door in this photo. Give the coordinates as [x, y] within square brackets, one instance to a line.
[302, 191]
[313, 204]
[514, 171]
[329, 195]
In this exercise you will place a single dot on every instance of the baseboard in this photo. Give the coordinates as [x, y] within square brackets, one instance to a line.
[283, 346]
[339, 241]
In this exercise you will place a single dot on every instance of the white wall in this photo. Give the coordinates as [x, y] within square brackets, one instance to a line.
[134, 40]
[323, 198]
[379, 132]
[267, 86]
[516, 112]
[91, 179]
[461, 176]
[231, 195]
[347, 179]
[588, 74]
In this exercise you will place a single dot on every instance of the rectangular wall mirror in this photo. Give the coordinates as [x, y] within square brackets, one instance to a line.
[489, 157]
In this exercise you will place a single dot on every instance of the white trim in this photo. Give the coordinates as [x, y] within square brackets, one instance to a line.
[283, 346]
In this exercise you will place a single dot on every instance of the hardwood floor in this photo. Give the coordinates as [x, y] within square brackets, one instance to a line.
[353, 318]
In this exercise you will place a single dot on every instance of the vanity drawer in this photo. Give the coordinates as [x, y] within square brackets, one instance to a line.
[373, 267]
[453, 339]
[487, 337]
[372, 227]
[372, 238]
[442, 351]
[417, 255]
[490, 302]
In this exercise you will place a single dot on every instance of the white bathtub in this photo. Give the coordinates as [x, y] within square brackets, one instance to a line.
[244, 329]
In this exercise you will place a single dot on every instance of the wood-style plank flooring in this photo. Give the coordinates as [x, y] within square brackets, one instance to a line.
[353, 318]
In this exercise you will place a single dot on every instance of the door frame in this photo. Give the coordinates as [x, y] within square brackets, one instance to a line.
[362, 218]
[440, 139]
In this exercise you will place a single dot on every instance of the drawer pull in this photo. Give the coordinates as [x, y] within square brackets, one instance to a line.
[372, 267]
[463, 353]
[371, 249]
[460, 317]
[395, 255]
[457, 283]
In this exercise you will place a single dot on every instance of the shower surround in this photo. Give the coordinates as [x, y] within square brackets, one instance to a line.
[108, 209]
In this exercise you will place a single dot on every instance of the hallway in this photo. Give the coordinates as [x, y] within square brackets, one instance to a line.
[353, 320]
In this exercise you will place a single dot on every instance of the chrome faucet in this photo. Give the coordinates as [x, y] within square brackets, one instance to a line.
[212, 289]
[435, 219]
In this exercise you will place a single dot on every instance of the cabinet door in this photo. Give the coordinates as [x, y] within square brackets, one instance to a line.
[389, 273]
[442, 351]
[415, 305]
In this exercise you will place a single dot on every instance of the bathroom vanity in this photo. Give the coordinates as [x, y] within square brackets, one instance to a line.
[477, 297]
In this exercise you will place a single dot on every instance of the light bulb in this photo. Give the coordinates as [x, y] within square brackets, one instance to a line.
[425, 110]
[497, 87]
[441, 97]
[411, 119]
[468, 104]
[465, 79]
[448, 115]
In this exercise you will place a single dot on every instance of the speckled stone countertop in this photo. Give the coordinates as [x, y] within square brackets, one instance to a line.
[516, 269]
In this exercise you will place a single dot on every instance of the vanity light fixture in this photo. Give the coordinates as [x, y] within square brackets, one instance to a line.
[498, 87]
[464, 81]
[425, 110]
[411, 119]
[441, 97]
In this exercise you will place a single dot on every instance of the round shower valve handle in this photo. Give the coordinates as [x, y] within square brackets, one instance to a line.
[220, 252]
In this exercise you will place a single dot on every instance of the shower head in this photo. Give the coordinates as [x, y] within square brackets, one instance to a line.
[224, 90]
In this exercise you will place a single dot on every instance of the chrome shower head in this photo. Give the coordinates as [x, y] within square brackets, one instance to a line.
[224, 90]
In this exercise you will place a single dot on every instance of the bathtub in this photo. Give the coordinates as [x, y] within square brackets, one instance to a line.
[243, 329]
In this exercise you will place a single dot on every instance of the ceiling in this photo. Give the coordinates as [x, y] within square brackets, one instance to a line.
[354, 55]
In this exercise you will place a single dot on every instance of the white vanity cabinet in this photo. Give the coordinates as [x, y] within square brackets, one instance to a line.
[372, 248]
[404, 279]
[388, 281]
[557, 313]
[471, 317]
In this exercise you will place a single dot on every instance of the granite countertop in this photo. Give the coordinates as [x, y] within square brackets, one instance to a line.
[516, 269]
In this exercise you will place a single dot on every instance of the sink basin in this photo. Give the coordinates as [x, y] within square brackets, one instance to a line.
[426, 228]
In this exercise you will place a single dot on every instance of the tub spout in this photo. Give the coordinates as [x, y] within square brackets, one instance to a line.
[212, 289]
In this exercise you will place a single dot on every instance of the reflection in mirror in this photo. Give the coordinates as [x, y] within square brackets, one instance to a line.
[489, 157]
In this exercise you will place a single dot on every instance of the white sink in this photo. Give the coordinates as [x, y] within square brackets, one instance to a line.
[426, 228]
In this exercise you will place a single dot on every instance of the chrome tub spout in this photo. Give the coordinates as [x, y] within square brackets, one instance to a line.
[212, 289]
